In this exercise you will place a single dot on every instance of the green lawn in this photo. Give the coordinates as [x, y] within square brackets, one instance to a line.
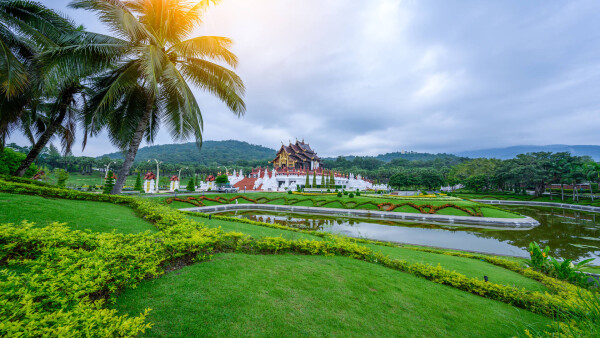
[518, 197]
[95, 216]
[466, 266]
[332, 201]
[289, 295]
[97, 178]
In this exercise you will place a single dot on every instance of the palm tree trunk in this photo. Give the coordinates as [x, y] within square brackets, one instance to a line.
[133, 148]
[41, 143]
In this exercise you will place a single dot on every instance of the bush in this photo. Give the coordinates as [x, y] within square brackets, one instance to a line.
[138, 183]
[339, 194]
[357, 193]
[345, 192]
[61, 177]
[351, 195]
[109, 183]
[289, 192]
[10, 161]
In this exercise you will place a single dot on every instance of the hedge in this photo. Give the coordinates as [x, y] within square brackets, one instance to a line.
[386, 206]
[66, 277]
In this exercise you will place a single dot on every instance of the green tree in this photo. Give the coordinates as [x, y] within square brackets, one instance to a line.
[109, 183]
[314, 181]
[10, 161]
[332, 180]
[138, 183]
[222, 179]
[148, 85]
[190, 185]
[61, 177]
[306, 184]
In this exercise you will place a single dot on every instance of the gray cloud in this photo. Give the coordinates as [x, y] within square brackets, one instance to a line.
[368, 77]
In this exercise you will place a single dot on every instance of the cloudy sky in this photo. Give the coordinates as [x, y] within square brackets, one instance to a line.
[369, 77]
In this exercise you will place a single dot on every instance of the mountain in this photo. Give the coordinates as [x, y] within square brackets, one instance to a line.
[409, 156]
[511, 152]
[212, 153]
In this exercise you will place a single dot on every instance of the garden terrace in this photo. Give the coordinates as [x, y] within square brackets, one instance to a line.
[436, 205]
[56, 280]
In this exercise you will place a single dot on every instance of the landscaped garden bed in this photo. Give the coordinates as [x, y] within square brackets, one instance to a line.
[57, 280]
[434, 205]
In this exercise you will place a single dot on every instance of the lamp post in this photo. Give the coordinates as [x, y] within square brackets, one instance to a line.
[157, 174]
[226, 170]
[106, 170]
[179, 172]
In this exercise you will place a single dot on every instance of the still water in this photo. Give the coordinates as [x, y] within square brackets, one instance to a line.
[570, 234]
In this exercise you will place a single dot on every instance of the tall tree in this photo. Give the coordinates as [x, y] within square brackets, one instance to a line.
[149, 84]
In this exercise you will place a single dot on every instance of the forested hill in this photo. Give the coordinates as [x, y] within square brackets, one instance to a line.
[511, 152]
[409, 156]
[212, 153]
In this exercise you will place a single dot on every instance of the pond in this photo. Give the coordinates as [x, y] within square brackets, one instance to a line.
[570, 234]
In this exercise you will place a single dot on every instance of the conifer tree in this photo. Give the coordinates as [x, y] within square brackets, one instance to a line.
[306, 184]
[110, 183]
[138, 183]
[314, 183]
[190, 185]
[332, 179]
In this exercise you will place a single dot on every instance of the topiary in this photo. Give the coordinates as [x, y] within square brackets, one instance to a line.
[190, 185]
[138, 183]
[358, 193]
[345, 193]
[289, 192]
[339, 194]
[351, 195]
[110, 182]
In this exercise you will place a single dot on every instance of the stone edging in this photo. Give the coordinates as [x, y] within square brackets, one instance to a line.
[543, 204]
[512, 223]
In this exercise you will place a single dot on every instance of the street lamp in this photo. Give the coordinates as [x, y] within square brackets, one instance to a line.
[157, 174]
[226, 170]
[106, 171]
[179, 173]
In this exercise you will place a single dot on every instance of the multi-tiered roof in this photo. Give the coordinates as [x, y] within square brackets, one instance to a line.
[298, 156]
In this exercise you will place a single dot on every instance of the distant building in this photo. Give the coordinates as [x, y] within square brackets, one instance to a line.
[296, 156]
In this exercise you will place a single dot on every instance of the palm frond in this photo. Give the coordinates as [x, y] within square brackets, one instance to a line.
[217, 80]
[207, 47]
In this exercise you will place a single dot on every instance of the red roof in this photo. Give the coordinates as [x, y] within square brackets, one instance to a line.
[210, 178]
[149, 176]
[174, 178]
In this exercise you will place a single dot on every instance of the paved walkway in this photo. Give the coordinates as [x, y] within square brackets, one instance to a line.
[503, 223]
[543, 204]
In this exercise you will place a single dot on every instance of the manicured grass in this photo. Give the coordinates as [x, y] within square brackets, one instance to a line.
[97, 178]
[95, 216]
[332, 201]
[518, 197]
[252, 230]
[287, 295]
[466, 266]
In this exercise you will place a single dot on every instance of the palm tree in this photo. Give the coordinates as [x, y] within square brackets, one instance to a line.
[26, 27]
[149, 84]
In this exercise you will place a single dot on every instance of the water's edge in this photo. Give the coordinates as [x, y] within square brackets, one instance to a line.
[510, 223]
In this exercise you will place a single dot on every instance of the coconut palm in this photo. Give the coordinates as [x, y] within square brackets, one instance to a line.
[26, 27]
[149, 84]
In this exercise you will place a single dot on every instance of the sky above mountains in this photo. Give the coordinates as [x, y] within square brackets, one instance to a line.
[370, 77]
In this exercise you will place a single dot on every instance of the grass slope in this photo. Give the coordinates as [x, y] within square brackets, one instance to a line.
[80, 215]
[466, 266]
[244, 295]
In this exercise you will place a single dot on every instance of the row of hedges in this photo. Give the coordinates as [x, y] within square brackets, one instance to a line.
[387, 206]
[65, 277]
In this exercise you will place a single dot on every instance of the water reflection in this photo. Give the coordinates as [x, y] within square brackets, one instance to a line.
[570, 234]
